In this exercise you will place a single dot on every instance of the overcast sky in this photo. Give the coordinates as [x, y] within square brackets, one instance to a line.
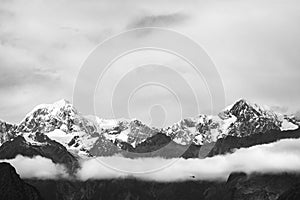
[255, 45]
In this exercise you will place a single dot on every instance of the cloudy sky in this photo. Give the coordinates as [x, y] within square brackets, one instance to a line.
[254, 44]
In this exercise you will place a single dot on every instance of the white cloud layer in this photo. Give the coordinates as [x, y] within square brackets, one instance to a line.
[282, 156]
[37, 167]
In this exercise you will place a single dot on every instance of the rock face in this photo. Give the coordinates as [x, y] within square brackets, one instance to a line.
[14, 188]
[7, 131]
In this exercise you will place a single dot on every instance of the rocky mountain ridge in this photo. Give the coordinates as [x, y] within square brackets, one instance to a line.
[86, 136]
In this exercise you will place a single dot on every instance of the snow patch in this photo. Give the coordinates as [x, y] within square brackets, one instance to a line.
[29, 137]
[286, 125]
[60, 136]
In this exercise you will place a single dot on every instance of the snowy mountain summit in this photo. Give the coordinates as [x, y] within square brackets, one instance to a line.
[90, 135]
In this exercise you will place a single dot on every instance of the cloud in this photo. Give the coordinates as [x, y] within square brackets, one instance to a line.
[280, 109]
[27, 76]
[246, 39]
[37, 167]
[162, 20]
[282, 156]
[297, 115]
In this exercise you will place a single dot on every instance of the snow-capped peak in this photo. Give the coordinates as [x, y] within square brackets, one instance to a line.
[48, 117]
[61, 122]
[62, 103]
[229, 107]
[53, 109]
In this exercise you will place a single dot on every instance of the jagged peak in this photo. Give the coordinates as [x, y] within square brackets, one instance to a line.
[244, 101]
[59, 104]
[241, 103]
[53, 108]
[62, 102]
[237, 102]
[136, 122]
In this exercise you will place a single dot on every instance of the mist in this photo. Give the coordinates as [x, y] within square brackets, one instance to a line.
[37, 167]
[278, 157]
[282, 156]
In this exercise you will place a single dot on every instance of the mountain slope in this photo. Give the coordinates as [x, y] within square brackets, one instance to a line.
[61, 122]
[229, 143]
[7, 131]
[14, 188]
[45, 148]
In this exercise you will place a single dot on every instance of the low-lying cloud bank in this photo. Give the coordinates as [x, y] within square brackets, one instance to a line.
[37, 167]
[282, 156]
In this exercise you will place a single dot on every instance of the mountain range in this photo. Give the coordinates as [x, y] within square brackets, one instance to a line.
[61, 133]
